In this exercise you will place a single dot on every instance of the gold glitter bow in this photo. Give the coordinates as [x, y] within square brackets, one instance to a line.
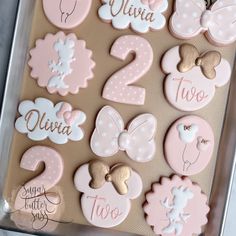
[190, 57]
[102, 173]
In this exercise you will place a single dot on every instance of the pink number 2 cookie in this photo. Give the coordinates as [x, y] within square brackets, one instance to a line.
[176, 207]
[119, 87]
[61, 63]
[66, 14]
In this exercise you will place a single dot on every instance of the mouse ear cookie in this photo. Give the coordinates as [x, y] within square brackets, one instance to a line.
[192, 76]
[61, 63]
[176, 206]
[66, 14]
[107, 192]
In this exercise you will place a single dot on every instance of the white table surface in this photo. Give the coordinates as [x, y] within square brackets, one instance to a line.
[7, 11]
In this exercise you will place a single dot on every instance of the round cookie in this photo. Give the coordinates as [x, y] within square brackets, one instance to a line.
[61, 63]
[66, 14]
[189, 145]
[107, 192]
[176, 206]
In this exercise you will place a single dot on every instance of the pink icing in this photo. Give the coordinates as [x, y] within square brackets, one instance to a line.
[37, 189]
[118, 88]
[66, 14]
[191, 18]
[105, 207]
[77, 63]
[153, 4]
[184, 151]
[180, 200]
[110, 135]
[191, 90]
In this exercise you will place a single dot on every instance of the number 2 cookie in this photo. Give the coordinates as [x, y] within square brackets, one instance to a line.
[176, 207]
[107, 192]
[61, 63]
[189, 145]
[192, 77]
[66, 14]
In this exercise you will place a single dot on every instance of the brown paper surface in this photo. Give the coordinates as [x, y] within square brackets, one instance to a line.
[99, 37]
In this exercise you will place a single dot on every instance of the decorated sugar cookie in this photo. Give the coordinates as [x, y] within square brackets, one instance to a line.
[107, 192]
[110, 135]
[176, 206]
[42, 119]
[189, 145]
[66, 14]
[218, 23]
[140, 15]
[61, 63]
[39, 203]
[193, 77]
[119, 87]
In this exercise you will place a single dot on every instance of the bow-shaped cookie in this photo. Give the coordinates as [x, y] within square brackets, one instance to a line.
[110, 136]
[102, 173]
[191, 18]
[190, 58]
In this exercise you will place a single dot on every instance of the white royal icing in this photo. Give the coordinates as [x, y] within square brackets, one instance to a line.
[39, 120]
[123, 13]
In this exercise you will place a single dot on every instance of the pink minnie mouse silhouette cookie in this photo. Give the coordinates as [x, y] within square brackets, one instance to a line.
[189, 145]
[193, 77]
[61, 63]
[66, 14]
[218, 23]
[107, 192]
[176, 206]
[110, 135]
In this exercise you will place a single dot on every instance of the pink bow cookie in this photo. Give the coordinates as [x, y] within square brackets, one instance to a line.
[191, 18]
[110, 136]
[69, 116]
[153, 4]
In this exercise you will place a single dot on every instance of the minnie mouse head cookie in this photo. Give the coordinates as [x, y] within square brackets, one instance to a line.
[61, 63]
[107, 192]
[218, 23]
[176, 207]
[192, 77]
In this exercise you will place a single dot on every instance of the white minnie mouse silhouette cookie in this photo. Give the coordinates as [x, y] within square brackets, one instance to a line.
[107, 192]
[193, 77]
